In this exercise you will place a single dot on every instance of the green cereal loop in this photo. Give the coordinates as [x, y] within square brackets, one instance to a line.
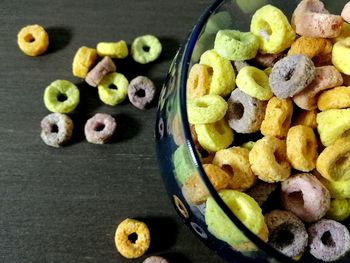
[273, 30]
[206, 109]
[139, 53]
[214, 136]
[337, 189]
[182, 164]
[339, 209]
[111, 96]
[61, 96]
[236, 45]
[254, 82]
[243, 206]
[223, 79]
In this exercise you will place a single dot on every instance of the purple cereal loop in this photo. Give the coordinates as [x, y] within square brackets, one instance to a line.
[56, 129]
[95, 75]
[100, 128]
[141, 92]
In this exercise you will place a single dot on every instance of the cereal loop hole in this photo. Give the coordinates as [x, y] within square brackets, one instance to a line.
[289, 74]
[285, 237]
[219, 128]
[29, 38]
[327, 239]
[341, 161]
[113, 86]
[99, 127]
[140, 93]
[133, 237]
[228, 169]
[54, 128]
[61, 97]
[146, 48]
[296, 198]
[278, 156]
[238, 109]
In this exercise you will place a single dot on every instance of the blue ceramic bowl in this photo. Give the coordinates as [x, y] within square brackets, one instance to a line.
[175, 147]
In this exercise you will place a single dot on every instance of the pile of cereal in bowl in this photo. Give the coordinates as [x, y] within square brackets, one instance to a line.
[284, 85]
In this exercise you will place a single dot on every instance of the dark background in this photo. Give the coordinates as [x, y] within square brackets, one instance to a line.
[63, 205]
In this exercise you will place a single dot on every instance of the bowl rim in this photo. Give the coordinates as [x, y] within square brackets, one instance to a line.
[188, 50]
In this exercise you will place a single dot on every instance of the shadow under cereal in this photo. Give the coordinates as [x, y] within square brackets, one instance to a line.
[59, 38]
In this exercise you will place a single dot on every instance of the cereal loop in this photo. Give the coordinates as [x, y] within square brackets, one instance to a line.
[236, 45]
[113, 49]
[345, 13]
[310, 18]
[113, 89]
[337, 189]
[180, 206]
[273, 30]
[214, 136]
[337, 98]
[155, 259]
[146, 49]
[339, 209]
[95, 75]
[302, 148]
[268, 160]
[332, 124]
[326, 77]
[61, 96]
[223, 78]
[33, 40]
[56, 129]
[278, 116]
[307, 118]
[267, 60]
[206, 109]
[100, 128]
[254, 82]
[261, 191]
[83, 60]
[340, 53]
[334, 161]
[198, 81]
[141, 92]
[235, 161]
[125, 231]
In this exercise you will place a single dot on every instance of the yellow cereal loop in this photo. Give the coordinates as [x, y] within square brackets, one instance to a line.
[334, 161]
[339, 209]
[332, 124]
[84, 58]
[337, 189]
[223, 78]
[254, 82]
[307, 118]
[206, 109]
[273, 30]
[302, 148]
[344, 33]
[113, 49]
[198, 81]
[268, 160]
[337, 98]
[340, 55]
[244, 207]
[278, 117]
[235, 161]
[214, 136]
[33, 40]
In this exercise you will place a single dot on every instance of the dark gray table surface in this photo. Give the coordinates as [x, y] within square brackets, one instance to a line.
[63, 205]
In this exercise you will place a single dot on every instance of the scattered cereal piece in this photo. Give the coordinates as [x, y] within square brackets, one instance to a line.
[100, 128]
[128, 247]
[61, 96]
[105, 66]
[113, 88]
[56, 129]
[33, 40]
[113, 49]
[155, 259]
[141, 92]
[84, 59]
[145, 49]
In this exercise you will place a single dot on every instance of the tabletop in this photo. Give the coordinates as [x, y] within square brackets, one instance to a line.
[64, 204]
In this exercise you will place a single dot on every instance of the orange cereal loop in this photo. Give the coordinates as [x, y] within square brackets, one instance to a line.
[198, 81]
[278, 116]
[132, 238]
[307, 118]
[337, 98]
[235, 161]
[302, 148]
[33, 40]
[176, 130]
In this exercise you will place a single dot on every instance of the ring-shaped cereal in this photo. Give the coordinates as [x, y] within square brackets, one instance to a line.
[339, 209]
[337, 189]
[340, 53]
[141, 92]
[245, 113]
[61, 96]
[273, 30]
[235, 161]
[33, 40]
[100, 128]
[223, 78]
[214, 136]
[113, 49]
[278, 116]
[132, 248]
[268, 160]
[326, 77]
[254, 82]
[182, 163]
[291, 75]
[305, 196]
[198, 81]
[107, 92]
[83, 60]
[102, 68]
[337, 98]
[236, 45]
[302, 148]
[145, 49]
[332, 124]
[310, 18]
[56, 129]
[307, 118]
[206, 109]
[180, 207]
[334, 161]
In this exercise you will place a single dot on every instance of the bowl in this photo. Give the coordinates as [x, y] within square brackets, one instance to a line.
[176, 151]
